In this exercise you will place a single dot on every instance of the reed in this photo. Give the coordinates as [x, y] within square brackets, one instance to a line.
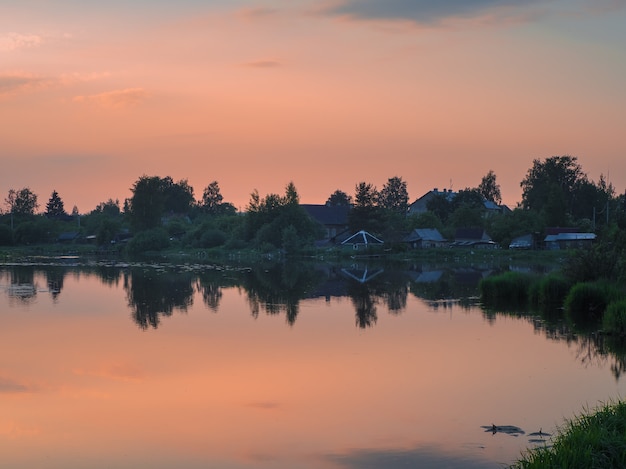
[587, 301]
[614, 320]
[549, 292]
[592, 440]
[509, 290]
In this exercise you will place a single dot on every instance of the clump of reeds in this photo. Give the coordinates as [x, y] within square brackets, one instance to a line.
[508, 290]
[614, 320]
[549, 291]
[587, 301]
[593, 440]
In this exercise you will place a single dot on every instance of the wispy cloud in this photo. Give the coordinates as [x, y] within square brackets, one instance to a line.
[257, 12]
[115, 99]
[8, 386]
[429, 13]
[14, 41]
[263, 64]
[115, 371]
[11, 83]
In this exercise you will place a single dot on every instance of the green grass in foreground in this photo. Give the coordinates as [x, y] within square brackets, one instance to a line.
[592, 440]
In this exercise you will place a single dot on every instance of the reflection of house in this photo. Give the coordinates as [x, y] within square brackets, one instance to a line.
[362, 275]
[334, 219]
[425, 238]
[362, 240]
[473, 237]
[569, 241]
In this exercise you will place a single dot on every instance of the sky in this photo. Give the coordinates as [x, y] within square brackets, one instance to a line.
[322, 93]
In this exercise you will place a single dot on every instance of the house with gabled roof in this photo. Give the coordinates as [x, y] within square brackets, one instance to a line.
[421, 238]
[473, 238]
[334, 218]
[569, 240]
[421, 204]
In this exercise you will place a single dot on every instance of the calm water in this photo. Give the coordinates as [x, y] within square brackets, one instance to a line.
[280, 367]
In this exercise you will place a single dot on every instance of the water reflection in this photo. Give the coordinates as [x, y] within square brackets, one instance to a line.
[153, 293]
[157, 291]
[298, 354]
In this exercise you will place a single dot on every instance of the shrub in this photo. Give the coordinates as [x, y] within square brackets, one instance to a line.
[212, 238]
[588, 301]
[550, 291]
[614, 320]
[510, 290]
[149, 240]
[31, 232]
[6, 235]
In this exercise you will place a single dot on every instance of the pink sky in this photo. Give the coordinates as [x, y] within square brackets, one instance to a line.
[258, 94]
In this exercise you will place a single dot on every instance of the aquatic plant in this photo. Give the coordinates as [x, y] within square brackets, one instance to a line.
[614, 320]
[592, 440]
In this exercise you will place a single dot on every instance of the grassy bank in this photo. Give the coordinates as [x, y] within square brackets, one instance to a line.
[592, 440]
[598, 304]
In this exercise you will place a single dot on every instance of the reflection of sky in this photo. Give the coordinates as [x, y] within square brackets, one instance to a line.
[82, 386]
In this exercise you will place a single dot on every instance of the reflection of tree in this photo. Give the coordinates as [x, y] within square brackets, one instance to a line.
[591, 348]
[394, 291]
[153, 293]
[54, 279]
[109, 275]
[211, 283]
[364, 302]
[22, 286]
[279, 288]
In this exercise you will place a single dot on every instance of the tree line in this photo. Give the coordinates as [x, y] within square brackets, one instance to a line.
[555, 192]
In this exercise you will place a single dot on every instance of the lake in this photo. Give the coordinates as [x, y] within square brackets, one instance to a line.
[107, 365]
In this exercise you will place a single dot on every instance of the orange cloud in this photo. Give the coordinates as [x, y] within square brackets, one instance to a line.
[115, 99]
[263, 64]
[14, 41]
[11, 83]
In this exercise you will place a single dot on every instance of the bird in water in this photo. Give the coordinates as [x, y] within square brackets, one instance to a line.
[539, 433]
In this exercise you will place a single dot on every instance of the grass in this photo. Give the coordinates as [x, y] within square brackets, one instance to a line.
[592, 440]
[508, 290]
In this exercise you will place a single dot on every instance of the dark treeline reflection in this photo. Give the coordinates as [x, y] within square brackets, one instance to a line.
[154, 292]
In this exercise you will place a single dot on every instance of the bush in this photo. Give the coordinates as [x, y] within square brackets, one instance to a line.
[509, 290]
[614, 320]
[6, 235]
[588, 301]
[154, 239]
[32, 232]
[549, 291]
[212, 238]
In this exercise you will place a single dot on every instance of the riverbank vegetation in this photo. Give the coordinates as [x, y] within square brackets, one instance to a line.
[163, 214]
[593, 440]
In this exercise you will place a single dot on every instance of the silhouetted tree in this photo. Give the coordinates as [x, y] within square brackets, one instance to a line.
[21, 202]
[339, 199]
[394, 196]
[365, 214]
[489, 188]
[545, 178]
[54, 207]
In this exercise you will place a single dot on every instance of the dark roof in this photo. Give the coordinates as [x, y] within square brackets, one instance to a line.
[555, 230]
[68, 236]
[328, 214]
[425, 234]
[471, 233]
